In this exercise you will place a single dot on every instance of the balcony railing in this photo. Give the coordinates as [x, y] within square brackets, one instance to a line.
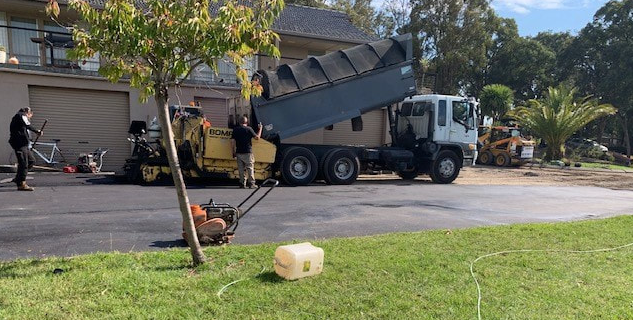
[51, 52]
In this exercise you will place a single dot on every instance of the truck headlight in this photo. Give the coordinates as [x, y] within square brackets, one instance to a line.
[472, 147]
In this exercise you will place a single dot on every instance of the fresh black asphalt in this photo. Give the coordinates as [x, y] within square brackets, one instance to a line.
[74, 214]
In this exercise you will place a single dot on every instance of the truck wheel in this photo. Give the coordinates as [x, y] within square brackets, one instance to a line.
[298, 166]
[445, 168]
[341, 166]
[486, 157]
[502, 160]
[408, 175]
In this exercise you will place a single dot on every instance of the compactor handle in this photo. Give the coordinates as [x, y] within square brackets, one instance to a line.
[268, 183]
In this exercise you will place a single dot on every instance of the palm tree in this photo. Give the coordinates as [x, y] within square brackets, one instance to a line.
[495, 100]
[558, 115]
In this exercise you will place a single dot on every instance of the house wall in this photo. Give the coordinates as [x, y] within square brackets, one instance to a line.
[14, 90]
[14, 83]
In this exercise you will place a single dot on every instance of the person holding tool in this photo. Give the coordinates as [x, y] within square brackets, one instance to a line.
[19, 141]
[243, 151]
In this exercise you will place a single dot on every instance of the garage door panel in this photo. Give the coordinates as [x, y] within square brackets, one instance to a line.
[372, 135]
[84, 120]
[216, 110]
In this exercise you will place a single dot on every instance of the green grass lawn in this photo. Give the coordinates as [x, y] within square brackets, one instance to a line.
[399, 276]
[606, 166]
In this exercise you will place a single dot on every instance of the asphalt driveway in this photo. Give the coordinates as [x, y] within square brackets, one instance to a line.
[74, 214]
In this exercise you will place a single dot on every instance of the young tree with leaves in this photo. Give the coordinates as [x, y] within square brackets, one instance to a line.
[558, 115]
[157, 44]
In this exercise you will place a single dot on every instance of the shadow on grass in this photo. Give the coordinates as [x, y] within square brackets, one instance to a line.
[179, 243]
[14, 270]
[269, 277]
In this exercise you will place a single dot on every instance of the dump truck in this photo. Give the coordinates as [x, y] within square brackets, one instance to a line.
[504, 146]
[430, 134]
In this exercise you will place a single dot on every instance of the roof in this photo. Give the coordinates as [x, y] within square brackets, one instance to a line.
[298, 21]
[324, 23]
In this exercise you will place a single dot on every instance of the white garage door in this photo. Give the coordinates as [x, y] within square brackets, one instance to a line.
[216, 111]
[84, 120]
[372, 135]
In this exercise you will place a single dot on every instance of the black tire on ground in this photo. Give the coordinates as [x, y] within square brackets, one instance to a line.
[502, 160]
[486, 157]
[341, 166]
[445, 168]
[299, 166]
[408, 175]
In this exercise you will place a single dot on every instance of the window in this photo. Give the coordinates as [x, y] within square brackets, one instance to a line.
[4, 38]
[202, 73]
[406, 109]
[462, 114]
[226, 71]
[59, 54]
[441, 113]
[420, 108]
[22, 47]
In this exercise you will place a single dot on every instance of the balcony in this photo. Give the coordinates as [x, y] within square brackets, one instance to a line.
[44, 50]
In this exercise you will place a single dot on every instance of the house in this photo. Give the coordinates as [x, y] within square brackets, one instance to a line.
[85, 111]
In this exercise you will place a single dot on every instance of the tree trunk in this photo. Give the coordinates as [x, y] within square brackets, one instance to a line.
[554, 151]
[601, 126]
[179, 182]
[627, 141]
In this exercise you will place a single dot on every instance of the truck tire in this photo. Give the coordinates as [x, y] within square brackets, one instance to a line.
[502, 160]
[341, 166]
[299, 166]
[445, 168]
[486, 157]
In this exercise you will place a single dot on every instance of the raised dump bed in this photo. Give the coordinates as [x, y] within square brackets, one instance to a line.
[321, 91]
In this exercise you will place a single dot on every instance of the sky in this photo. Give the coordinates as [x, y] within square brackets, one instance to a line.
[534, 16]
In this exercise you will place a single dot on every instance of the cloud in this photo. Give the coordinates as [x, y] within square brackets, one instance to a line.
[525, 6]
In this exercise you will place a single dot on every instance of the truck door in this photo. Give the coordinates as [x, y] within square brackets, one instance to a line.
[462, 124]
[442, 126]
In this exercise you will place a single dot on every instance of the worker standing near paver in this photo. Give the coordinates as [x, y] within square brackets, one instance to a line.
[19, 141]
[241, 140]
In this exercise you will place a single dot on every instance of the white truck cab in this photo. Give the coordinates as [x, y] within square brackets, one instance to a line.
[443, 120]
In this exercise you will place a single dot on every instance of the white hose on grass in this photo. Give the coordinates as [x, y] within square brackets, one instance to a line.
[221, 291]
[472, 264]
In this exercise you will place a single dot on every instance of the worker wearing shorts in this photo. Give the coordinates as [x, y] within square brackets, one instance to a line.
[241, 140]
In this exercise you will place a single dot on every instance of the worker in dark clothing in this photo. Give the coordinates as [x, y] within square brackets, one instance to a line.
[241, 141]
[19, 140]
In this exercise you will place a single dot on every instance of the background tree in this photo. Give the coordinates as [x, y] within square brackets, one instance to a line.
[453, 36]
[159, 43]
[557, 116]
[309, 3]
[525, 65]
[600, 58]
[557, 43]
[361, 13]
[393, 18]
[495, 100]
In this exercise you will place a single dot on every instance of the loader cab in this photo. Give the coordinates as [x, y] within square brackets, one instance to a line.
[439, 118]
